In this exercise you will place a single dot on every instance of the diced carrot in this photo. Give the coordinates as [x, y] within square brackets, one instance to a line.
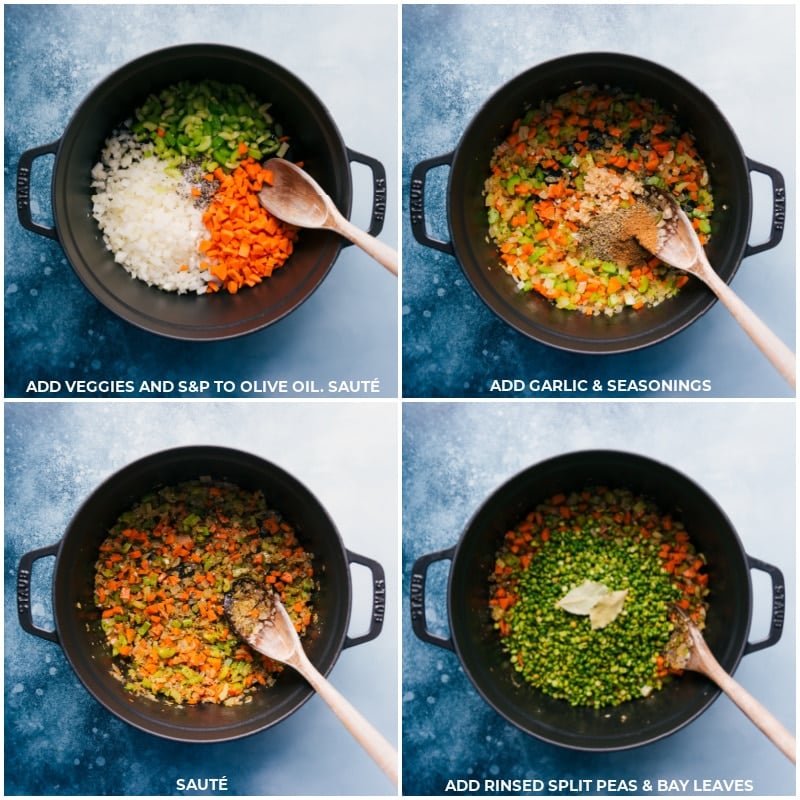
[246, 243]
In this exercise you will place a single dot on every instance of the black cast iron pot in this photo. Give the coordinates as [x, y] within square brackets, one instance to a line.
[77, 620]
[532, 314]
[477, 644]
[315, 140]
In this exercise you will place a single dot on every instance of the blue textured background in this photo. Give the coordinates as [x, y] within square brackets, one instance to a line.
[455, 455]
[55, 329]
[58, 739]
[456, 57]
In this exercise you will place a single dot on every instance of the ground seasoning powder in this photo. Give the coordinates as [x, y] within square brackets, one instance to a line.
[609, 537]
[627, 236]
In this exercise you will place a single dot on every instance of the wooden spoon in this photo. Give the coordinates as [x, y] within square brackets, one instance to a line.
[687, 649]
[258, 616]
[679, 247]
[295, 197]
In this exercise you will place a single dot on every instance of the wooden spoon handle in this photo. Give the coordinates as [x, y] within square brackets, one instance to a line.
[758, 714]
[782, 358]
[381, 252]
[384, 755]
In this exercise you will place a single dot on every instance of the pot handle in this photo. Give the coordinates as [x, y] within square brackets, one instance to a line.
[24, 189]
[378, 599]
[778, 207]
[778, 605]
[417, 202]
[419, 574]
[378, 191]
[24, 610]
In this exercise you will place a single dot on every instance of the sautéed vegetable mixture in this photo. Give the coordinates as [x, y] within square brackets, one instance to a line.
[160, 581]
[557, 181]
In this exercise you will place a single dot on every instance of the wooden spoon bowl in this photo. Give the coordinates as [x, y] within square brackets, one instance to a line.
[295, 197]
[688, 650]
[259, 617]
[678, 246]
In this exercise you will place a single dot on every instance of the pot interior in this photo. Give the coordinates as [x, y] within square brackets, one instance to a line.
[632, 723]
[315, 141]
[77, 619]
[532, 314]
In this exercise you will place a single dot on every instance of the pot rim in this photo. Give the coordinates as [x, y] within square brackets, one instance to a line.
[489, 691]
[665, 320]
[155, 316]
[142, 713]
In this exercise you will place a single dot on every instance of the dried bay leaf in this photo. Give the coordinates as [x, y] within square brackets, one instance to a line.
[607, 609]
[595, 600]
[582, 599]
